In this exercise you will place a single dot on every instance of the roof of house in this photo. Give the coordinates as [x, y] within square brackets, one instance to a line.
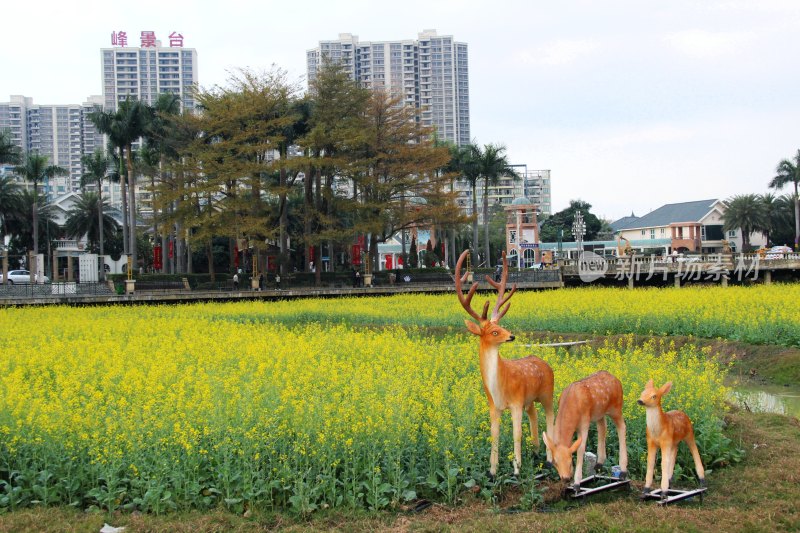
[623, 222]
[667, 214]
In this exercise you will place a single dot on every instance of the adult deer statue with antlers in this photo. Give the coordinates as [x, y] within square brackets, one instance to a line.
[666, 431]
[583, 402]
[513, 384]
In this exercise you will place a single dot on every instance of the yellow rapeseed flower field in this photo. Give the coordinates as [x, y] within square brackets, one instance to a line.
[300, 404]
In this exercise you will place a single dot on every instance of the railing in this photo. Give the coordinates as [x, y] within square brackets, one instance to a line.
[54, 290]
[69, 244]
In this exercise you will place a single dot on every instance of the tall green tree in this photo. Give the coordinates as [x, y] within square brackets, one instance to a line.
[9, 152]
[782, 220]
[21, 224]
[289, 170]
[337, 132]
[86, 218]
[96, 170]
[160, 143]
[746, 212]
[494, 165]
[564, 219]
[124, 127]
[35, 170]
[465, 161]
[9, 202]
[788, 171]
[399, 184]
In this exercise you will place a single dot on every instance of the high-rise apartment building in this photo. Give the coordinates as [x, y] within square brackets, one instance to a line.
[63, 133]
[532, 184]
[430, 73]
[144, 72]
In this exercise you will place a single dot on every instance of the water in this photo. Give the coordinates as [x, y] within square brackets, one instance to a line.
[768, 399]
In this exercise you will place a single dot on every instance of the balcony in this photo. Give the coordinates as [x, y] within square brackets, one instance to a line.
[69, 245]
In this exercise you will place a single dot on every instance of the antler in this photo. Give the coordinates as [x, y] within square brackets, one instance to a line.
[502, 300]
[466, 301]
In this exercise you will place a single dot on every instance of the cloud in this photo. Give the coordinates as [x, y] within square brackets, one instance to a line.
[556, 53]
[701, 44]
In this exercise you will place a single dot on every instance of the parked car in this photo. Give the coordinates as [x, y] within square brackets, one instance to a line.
[777, 252]
[21, 277]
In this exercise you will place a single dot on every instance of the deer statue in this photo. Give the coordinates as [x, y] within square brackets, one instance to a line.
[513, 384]
[666, 431]
[582, 402]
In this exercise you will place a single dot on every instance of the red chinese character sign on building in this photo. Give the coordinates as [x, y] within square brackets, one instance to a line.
[119, 38]
[175, 40]
[148, 39]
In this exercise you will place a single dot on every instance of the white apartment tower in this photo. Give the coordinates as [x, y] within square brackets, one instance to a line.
[144, 72]
[62, 132]
[430, 73]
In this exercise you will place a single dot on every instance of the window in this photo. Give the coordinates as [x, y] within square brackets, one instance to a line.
[643, 233]
[653, 233]
[512, 236]
[732, 234]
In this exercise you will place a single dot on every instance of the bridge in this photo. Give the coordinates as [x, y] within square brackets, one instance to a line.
[706, 267]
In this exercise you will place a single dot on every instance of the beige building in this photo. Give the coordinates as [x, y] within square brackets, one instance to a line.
[691, 227]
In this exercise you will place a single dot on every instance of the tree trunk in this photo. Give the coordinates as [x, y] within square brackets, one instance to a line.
[488, 252]
[474, 225]
[100, 229]
[188, 257]
[308, 212]
[796, 219]
[132, 208]
[155, 223]
[35, 220]
[123, 191]
[283, 221]
[210, 255]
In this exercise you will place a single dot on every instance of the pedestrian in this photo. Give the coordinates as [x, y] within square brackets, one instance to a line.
[236, 281]
[278, 281]
[261, 282]
[498, 272]
[358, 278]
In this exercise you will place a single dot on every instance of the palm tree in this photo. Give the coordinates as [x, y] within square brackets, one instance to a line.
[160, 143]
[86, 218]
[746, 212]
[465, 161]
[20, 223]
[35, 170]
[9, 202]
[788, 171]
[9, 152]
[96, 170]
[124, 127]
[493, 165]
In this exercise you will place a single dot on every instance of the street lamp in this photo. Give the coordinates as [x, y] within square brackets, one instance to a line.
[579, 230]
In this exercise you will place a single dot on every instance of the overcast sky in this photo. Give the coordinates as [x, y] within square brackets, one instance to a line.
[630, 103]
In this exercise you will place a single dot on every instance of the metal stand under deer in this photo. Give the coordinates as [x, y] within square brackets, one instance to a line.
[583, 402]
[666, 431]
[513, 384]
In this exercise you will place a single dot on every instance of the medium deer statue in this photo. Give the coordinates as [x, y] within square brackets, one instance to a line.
[666, 431]
[583, 402]
[513, 384]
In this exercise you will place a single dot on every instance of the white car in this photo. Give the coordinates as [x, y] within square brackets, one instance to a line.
[20, 277]
[778, 252]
